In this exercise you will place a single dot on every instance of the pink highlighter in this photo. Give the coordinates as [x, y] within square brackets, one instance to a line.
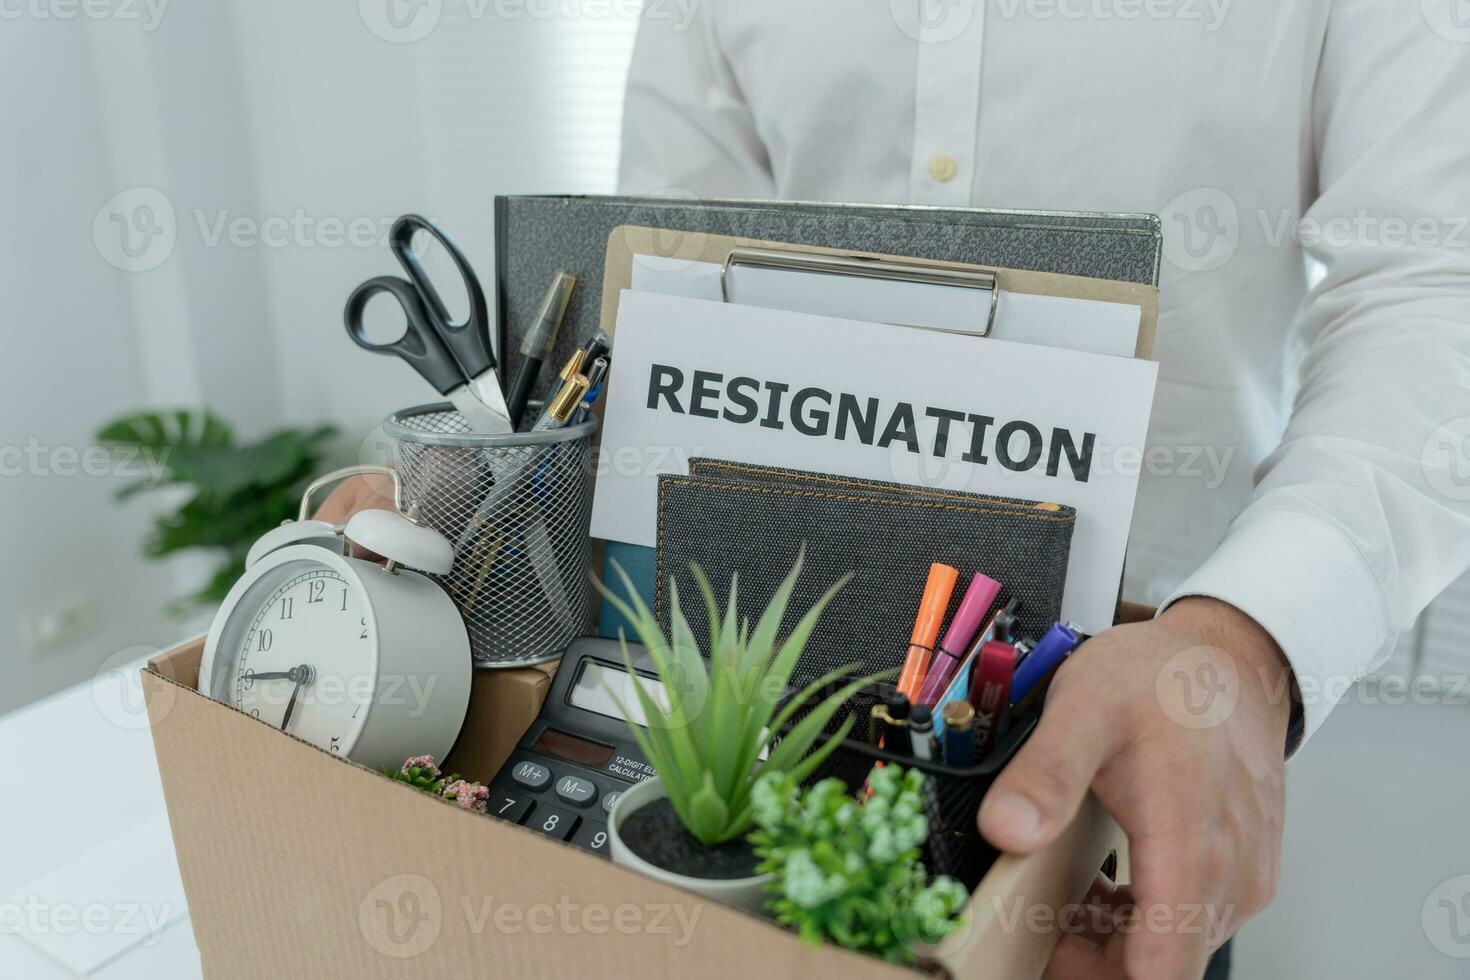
[979, 597]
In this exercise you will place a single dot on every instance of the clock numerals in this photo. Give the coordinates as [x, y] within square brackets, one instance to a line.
[266, 639]
[287, 607]
[336, 744]
[344, 600]
[315, 591]
[248, 676]
[364, 635]
[255, 712]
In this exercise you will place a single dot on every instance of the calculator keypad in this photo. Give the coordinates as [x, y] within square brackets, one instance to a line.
[542, 795]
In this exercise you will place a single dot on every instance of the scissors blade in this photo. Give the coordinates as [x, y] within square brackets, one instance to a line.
[486, 389]
[481, 417]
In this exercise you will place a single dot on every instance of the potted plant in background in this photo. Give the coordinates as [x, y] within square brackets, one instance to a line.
[688, 825]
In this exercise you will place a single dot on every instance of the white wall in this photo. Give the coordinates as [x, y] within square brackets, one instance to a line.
[267, 130]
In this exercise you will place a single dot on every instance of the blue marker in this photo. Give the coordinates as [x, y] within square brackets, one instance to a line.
[1059, 641]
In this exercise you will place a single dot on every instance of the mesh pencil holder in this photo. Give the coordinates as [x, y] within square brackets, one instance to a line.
[517, 509]
[952, 794]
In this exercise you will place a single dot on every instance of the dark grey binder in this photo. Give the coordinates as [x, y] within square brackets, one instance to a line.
[536, 236]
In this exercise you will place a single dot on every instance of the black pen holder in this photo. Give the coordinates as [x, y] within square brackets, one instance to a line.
[952, 795]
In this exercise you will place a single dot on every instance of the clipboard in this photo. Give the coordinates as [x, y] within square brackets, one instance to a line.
[625, 244]
[537, 235]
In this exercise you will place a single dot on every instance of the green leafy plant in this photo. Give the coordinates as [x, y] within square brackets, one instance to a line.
[241, 490]
[848, 870]
[706, 744]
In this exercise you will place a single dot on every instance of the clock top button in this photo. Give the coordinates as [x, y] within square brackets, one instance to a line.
[530, 775]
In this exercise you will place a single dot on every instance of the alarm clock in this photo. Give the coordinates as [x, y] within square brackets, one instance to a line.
[578, 756]
[367, 660]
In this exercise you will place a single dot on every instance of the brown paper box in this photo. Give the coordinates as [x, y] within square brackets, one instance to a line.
[297, 863]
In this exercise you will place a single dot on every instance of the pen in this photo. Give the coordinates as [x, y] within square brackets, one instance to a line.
[921, 732]
[935, 601]
[1047, 655]
[537, 345]
[895, 724]
[959, 725]
[977, 602]
[990, 692]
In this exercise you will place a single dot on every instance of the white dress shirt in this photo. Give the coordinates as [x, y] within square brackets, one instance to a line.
[1310, 457]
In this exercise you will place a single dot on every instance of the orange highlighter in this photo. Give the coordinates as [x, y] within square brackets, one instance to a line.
[932, 608]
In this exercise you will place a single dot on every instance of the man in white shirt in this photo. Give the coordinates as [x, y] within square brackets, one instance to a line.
[1311, 494]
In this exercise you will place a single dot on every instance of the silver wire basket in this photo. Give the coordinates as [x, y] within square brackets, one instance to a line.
[516, 507]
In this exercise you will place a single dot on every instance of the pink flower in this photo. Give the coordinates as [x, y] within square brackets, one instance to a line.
[421, 762]
[470, 796]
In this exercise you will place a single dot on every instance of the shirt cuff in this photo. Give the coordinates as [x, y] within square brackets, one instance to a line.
[1305, 583]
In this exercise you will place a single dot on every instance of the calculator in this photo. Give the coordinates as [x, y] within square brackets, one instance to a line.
[578, 756]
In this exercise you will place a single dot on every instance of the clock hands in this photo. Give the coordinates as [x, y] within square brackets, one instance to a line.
[302, 675]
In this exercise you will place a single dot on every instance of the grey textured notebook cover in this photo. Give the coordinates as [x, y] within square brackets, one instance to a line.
[536, 236]
[733, 517]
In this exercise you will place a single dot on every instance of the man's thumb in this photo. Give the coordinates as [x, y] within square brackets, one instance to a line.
[1040, 790]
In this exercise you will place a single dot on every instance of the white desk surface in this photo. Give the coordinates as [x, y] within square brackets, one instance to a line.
[93, 742]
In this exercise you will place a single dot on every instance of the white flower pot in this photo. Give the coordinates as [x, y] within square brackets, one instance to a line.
[743, 893]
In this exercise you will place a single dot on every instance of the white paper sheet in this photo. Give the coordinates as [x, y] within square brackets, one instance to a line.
[1051, 321]
[1055, 391]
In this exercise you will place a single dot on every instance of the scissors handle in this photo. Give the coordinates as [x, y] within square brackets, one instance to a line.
[467, 341]
[420, 344]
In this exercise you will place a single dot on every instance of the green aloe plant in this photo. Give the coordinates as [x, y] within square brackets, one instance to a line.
[722, 713]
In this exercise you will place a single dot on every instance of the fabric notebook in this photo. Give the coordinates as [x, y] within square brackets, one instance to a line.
[733, 517]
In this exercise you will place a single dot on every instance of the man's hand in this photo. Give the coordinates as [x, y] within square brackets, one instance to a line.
[1179, 726]
[355, 494]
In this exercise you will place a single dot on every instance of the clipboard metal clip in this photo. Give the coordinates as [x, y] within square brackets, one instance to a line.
[862, 266]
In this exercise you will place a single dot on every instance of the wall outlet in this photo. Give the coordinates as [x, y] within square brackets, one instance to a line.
[64, 624]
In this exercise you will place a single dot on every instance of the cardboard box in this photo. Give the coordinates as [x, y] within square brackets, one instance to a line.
[300, 863]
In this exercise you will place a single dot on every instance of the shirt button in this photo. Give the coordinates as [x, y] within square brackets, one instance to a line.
[942, 167]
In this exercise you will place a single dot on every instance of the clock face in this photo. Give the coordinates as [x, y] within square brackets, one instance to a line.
[299, 653]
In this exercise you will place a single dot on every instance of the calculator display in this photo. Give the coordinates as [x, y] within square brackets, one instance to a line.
[590, 692]
[560, 745]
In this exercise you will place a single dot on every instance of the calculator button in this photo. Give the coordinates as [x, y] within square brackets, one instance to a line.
[574, 790]
[593, 836]
[530, 775]
[553, 822]
[510, 806]
[610, 799]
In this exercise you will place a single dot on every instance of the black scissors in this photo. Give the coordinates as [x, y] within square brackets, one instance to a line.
[453, 357]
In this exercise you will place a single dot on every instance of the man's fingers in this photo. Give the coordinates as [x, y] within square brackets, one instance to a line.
[1168, 937]
[1038, 793]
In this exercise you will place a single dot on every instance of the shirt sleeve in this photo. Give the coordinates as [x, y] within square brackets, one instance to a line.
[686, 127]
[1362, 515]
